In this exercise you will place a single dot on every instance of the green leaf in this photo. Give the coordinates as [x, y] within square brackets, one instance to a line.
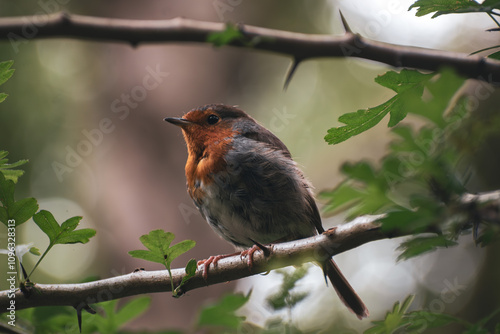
[131, 310]
[35, 251]
[222, 313]
[114, 318]
[427, 320]
[190, 270]
[230, 34]
[442, 89]
[158, 242]
[179, 249]
[495, 55]
[284, 297]
[409, 86]
[394, 320]
[441, 7]
[341, 198]
[6, 192]
[5, 71]
[47, 223]
[420, 245]
[8, 169]
[19, 211]
[23, 210]
[60, 234]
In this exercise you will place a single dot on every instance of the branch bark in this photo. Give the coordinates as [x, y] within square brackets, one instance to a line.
[334, 241]
[19, 30]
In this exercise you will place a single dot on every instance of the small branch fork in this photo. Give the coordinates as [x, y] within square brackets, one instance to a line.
[334, 241]
[19, 30]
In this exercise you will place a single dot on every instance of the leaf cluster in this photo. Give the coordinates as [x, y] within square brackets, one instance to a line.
[443, 7]
[158, 243]
[400, 319]
[417, 183]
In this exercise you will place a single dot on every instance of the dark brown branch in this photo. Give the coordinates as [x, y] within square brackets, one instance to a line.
[19, 30]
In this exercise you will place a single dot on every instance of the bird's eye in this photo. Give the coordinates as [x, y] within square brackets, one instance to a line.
[212, 119]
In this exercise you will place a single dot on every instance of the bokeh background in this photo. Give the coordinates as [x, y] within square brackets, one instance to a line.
[98, 146]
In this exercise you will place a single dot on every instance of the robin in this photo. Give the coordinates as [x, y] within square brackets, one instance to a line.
[244, 182]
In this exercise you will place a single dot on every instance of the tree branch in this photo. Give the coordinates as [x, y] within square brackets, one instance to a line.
[19, 30]
[334, 241]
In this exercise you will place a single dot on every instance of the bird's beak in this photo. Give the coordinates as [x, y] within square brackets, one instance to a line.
[178, 121]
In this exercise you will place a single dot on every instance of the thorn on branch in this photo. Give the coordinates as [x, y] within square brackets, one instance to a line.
[347, 29]
[291, 71]
[79, 308]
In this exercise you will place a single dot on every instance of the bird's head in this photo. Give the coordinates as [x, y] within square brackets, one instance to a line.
[211, 125]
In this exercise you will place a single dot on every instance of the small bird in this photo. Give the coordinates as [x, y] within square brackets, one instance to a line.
[244, 182]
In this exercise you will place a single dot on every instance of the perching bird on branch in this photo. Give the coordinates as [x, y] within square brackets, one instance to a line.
[244, 182]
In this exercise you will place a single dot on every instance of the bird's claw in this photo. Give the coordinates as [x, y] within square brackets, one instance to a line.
[212, 260]
[249, 253]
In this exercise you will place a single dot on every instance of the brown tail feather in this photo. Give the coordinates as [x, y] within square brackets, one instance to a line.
[344, 289]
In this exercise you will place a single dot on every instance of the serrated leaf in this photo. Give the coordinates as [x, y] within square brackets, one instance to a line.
[402, 81]
[64, 234]
[7, 169]
[5, 71]
[356, 123]
[285, 297]
[81, 236]
[158, 243]
[394, 320]
[222, 313]
[409, 86]
[441, 7]
[420, 245]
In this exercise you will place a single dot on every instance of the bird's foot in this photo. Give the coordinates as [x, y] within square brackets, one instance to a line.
[249, 253]
[212, 260]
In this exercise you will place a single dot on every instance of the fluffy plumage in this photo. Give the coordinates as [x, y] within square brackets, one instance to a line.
[244, 182]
